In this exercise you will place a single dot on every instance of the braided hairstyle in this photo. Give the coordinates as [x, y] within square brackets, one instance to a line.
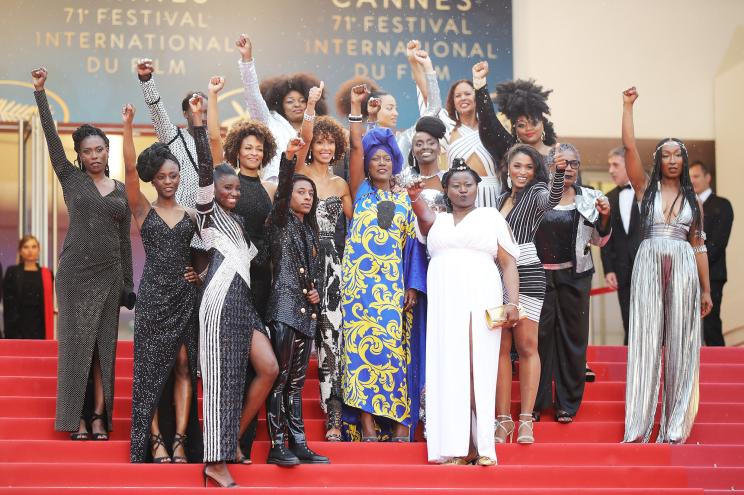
[82, 132]
[685, 184]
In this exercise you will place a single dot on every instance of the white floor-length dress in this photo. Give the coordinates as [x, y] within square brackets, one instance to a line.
[463, 281]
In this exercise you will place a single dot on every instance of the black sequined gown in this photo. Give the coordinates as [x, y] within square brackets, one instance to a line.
[166, 318]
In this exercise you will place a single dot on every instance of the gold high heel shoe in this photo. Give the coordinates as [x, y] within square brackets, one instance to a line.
[456, 461]
[525, 434]
[503, 429]
[484, 461]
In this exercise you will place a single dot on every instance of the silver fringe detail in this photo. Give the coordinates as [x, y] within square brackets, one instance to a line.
[664, 319]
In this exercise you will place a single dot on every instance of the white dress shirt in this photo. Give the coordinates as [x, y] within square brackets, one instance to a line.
[625, 199]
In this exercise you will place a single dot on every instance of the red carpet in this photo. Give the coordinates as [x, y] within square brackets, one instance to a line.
[583, 458]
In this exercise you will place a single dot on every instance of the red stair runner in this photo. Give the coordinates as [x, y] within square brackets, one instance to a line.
[582, 458]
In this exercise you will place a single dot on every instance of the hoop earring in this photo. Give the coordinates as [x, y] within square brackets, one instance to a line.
[508, 181]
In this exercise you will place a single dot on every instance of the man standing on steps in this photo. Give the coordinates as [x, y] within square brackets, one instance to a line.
[620, 251]
[718, 216]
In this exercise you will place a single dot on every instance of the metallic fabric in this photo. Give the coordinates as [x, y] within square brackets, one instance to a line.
[664, 320]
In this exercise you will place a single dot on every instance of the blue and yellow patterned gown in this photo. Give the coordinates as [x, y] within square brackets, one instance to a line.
[379, 265]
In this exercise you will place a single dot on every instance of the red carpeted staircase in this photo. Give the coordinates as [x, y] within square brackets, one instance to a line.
[581, 458]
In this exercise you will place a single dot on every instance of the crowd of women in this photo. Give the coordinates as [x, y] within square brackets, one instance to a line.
[413, 261]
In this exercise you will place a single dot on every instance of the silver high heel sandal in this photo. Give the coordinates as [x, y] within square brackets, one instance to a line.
[503, 429]
[525, 434]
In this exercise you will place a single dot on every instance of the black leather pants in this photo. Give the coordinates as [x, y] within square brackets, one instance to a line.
[284, 405]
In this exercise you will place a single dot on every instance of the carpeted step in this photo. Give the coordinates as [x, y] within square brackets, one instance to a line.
[359, 475]
[314, 490]
[545, 432]
[539, 454]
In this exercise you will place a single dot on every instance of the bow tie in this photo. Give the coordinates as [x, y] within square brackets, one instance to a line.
[626, 186]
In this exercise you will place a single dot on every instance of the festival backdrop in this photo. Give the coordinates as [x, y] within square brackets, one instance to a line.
[91, 47]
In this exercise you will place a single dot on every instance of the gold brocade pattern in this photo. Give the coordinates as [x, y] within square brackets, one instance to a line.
[376, 352]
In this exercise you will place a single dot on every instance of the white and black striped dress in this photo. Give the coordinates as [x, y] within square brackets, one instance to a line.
[524, 219]
[227, 318]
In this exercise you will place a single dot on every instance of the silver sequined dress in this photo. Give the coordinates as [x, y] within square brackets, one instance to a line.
[664, 319]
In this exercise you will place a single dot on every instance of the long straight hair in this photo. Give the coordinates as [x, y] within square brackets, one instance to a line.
[685, 184]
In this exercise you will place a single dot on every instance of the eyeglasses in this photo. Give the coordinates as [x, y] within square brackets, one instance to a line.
[574, 164]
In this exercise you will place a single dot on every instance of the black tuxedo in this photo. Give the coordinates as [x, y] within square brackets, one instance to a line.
[619, 253]
[718, 216]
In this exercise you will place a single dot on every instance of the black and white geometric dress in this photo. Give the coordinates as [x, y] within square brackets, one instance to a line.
[227, 318]
[524, 219]
[95, 269]
[328, 337]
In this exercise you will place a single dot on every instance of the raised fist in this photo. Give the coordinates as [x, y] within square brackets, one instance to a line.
[630, 95]
[245, 48]
[411, 48]
[216, 83]
[422, 57]
[144, 69]
[480, 70]
[127, 114]
[39, 76]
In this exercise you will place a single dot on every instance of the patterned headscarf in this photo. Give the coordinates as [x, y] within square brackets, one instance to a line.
[381, 138]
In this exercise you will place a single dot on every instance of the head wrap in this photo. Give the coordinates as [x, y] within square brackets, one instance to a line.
[381, 138]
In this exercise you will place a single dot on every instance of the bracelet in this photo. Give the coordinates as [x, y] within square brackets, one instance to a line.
[516, 305]
[355, 118]
[700, 249]
[308, 118]
[700, 234]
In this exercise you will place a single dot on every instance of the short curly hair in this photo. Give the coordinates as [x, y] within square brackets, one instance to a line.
[328, 126]
[343, 95]
[241, 130]
[274, 89]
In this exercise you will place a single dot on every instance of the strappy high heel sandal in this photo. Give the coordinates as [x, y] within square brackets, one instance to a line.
[179, 441]
[80, 435]
[503, 429]
[102, 418]
[456, 461]
[208, 477]
[525, 434]
[155, 442]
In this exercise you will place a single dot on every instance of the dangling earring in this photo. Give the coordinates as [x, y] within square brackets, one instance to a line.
[457, 115]
[106, 170]
[543, 137]
[508, 181]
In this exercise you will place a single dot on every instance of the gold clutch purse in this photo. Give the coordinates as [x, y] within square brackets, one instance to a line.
[496, 317]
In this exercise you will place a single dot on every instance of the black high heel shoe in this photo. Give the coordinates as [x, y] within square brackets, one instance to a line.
[179, 441]
[155, 442]
[102, 418]
[208, 477]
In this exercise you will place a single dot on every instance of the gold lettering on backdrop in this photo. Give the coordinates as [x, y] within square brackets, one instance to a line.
[442, 5]
[408, 25]
[386, 48]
